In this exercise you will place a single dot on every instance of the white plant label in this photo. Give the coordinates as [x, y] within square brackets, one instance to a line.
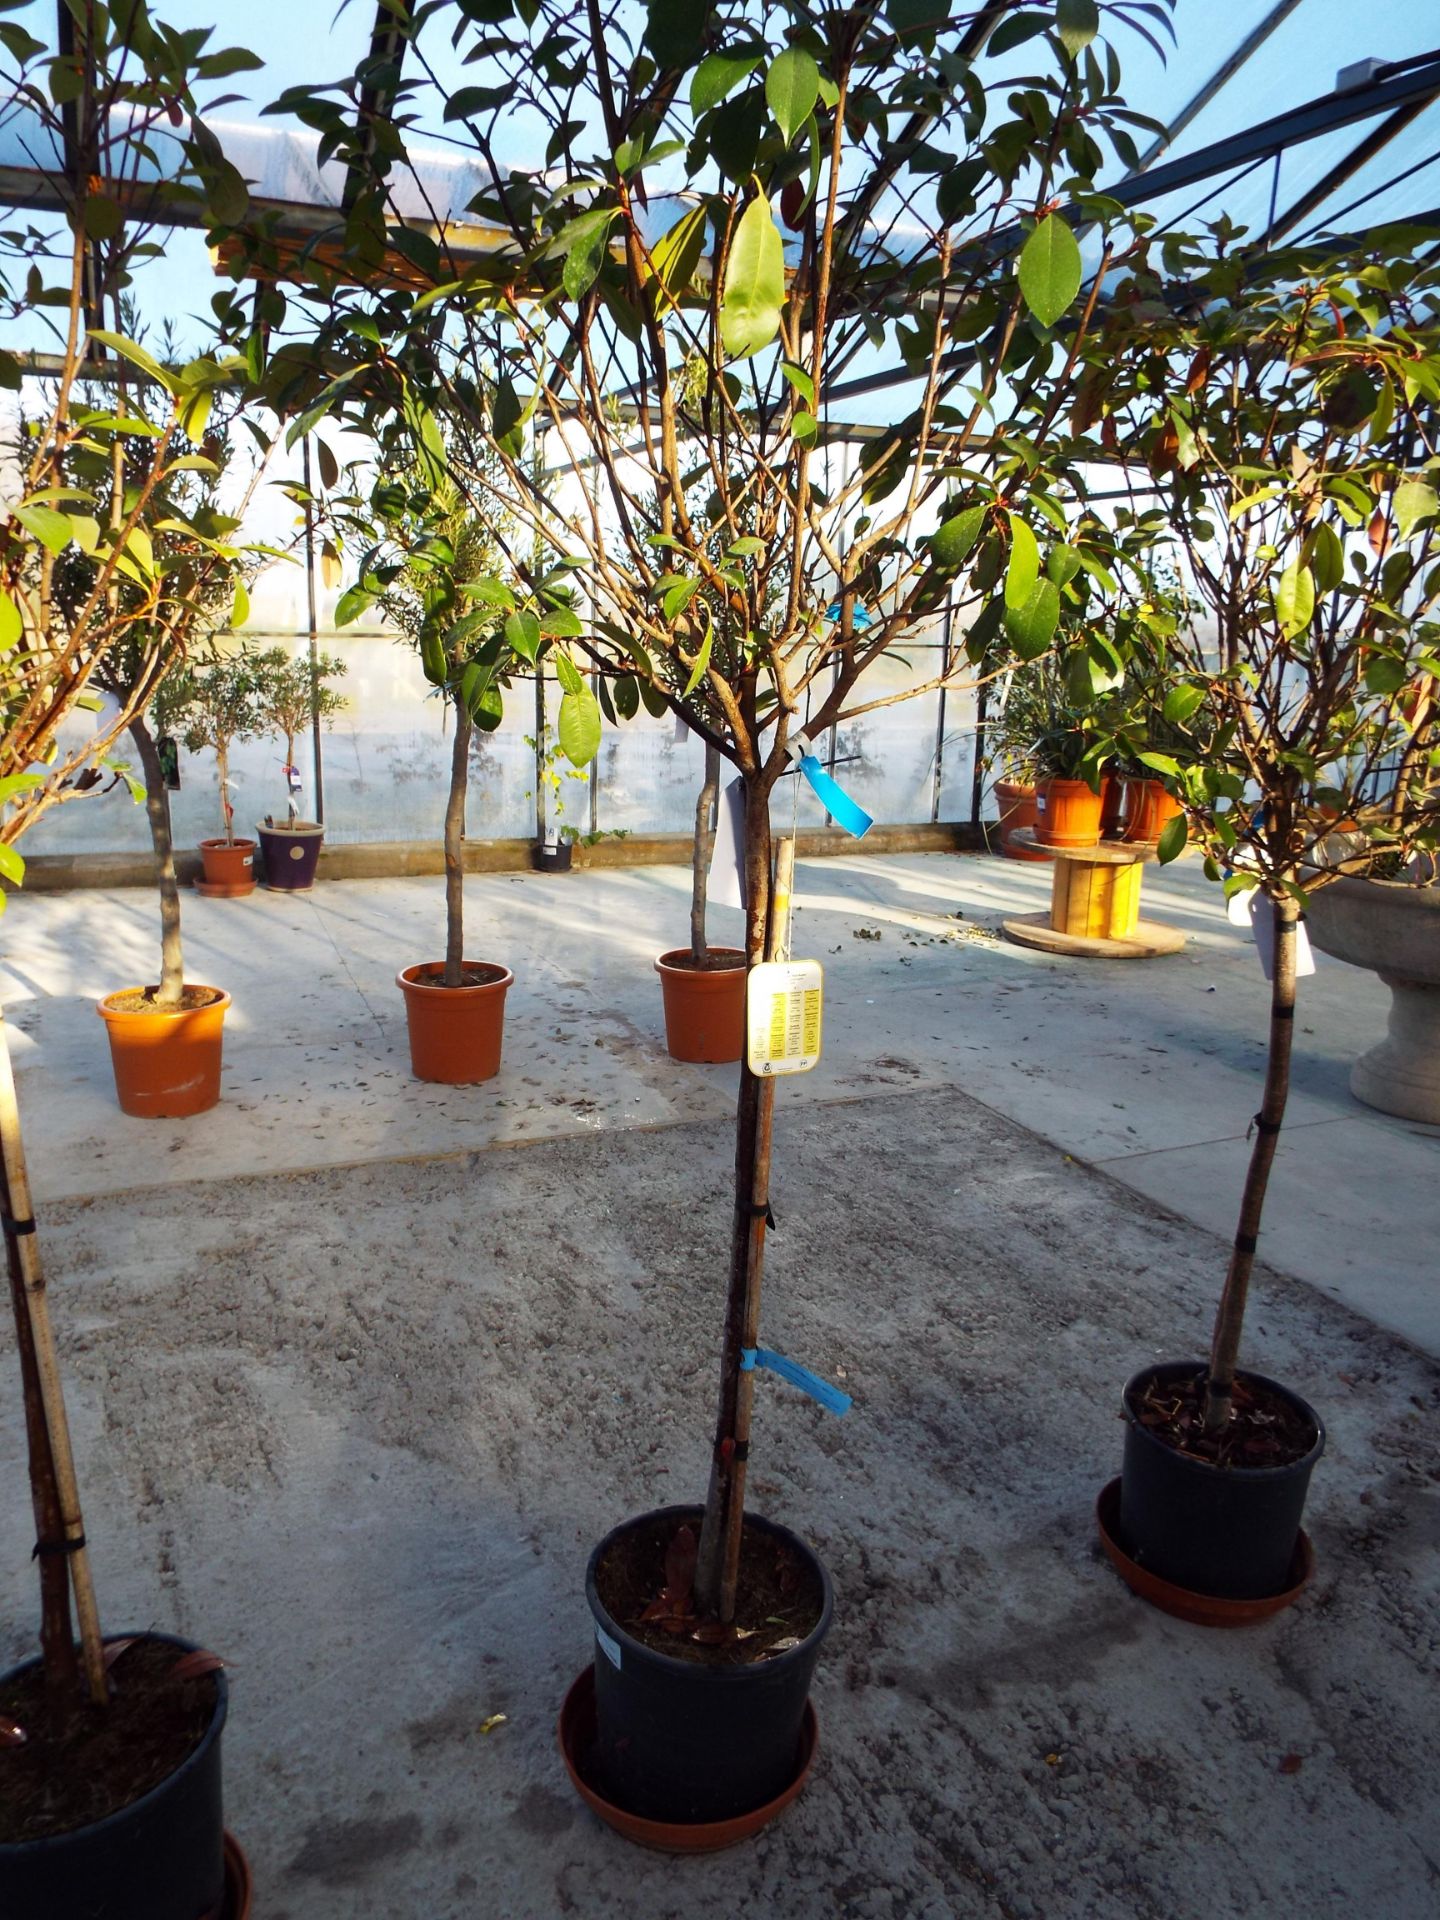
[783, 1008]
[609, 1646]
[1252, 910]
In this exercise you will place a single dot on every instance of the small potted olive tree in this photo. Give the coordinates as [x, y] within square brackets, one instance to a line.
[1292, 452]
[290, 693]
[216, 709]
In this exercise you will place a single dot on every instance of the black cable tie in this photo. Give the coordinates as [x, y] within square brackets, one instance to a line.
[16, 1227]
[741, 1450]
[754, 1211]
[43, 1549]
[1282, 1013]
[1262, 1125]
[1245, 1243]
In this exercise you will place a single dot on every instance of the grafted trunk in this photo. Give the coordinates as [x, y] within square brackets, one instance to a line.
[1230, 1320]
[222, 774]
[700, 852]
[157, 808]
[455, 847]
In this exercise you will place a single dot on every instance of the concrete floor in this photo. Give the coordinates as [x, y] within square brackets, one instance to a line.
[356, 1382]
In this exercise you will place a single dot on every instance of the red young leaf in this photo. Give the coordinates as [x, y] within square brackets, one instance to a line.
[191, 1666]
[1292, 1763]
[713, 1633]
[113, 1650]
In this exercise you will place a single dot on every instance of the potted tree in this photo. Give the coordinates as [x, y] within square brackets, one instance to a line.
[703, 986]
[95, 1812]
[215, 709]
[1282, 410]
[708, 1619]
[1012, 732]
[432, 565]
[291, 693]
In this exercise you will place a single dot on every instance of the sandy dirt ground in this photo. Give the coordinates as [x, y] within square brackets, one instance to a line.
[358, 1430]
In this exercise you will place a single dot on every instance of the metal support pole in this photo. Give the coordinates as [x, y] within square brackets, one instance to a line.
[940, 716]
[314, 631]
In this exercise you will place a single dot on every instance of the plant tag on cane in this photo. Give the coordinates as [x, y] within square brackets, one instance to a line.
[1263, 922]
[609, 1646]
[783, 1007]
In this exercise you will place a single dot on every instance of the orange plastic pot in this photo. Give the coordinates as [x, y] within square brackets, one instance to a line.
[1017, 814]
[455, 1032]
[704, 1007]
[229, 867]
[167, 1063]
[1148, 807]
[1067, 813]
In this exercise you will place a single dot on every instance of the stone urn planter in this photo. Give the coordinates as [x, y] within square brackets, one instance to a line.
[1394, 930]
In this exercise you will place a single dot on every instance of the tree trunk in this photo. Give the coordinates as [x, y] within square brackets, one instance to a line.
[700, 852]
[455, 847]
[60, 1528]
[222, 774]
[1225, 1343]
[725, 1502]
[157, 806]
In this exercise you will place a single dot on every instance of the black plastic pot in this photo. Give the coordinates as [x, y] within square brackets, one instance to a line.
[160, 1858]
[291, 855]
[1225, 1531]
[551, 856]
[682, 1742]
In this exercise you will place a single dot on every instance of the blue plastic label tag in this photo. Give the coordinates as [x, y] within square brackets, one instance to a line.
[844, 811]
[831, 1398]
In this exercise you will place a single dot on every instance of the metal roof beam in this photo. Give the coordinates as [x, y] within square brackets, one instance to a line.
[1221, 78]
[1373, 143]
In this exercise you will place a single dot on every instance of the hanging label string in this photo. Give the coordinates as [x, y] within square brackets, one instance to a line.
[831, 1398]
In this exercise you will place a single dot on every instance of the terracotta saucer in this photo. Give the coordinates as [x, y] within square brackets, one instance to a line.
[577, 1732]
[237, 1881]
[1201, 1609]
[224, 889]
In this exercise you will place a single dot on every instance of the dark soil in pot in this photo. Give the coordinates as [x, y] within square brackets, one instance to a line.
[1218, 1516]
[713, 960]
[147, 1000]
[119, 1815]
[697, 1723]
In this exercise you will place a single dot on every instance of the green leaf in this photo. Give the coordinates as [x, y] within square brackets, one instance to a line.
[717, 75]
[228, 195]
[627, 697]
[1295, 599]
[50, 528]
[754, 282]
[11, 625]
[488, 709]
[914, 16]
[522, 634]
[1384, 675]
[674, 31]
[1327, 558]
[240, 610]
[1049, 269]
[1181, 702]
[1078, 22]
[1024, 568]
[490, 592]
[1160, 763]
[800, 381]
[137, 356]
[102, 217]
[702, 661]
[805, 428]
[1031, 627]
[567, 673]
[1415, 500]
[952, 540]
[676, 254]
[351, 604]
[1173, 835]
[792, 86]
[590, 237]
[434, 662]
[12, 866]
[578, 727]
[477, 686]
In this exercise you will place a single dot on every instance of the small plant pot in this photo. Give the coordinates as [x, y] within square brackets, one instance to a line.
[690, 1744]
[455, 1032]
[291, 854]
[239, 1885]
[160, 1858]
[552, 856]
[229, 868]
[1067, 813]
[1017, 814]
[1200, 1609]
[704, 1006]
[166, 1062]
[1148, 809]
[1226, 1532]
[577, 1745]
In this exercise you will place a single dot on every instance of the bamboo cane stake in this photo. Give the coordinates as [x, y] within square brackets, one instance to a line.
[12, 1148]
[777, 941]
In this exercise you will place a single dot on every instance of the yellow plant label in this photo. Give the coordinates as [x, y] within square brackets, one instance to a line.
[783, 1007]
